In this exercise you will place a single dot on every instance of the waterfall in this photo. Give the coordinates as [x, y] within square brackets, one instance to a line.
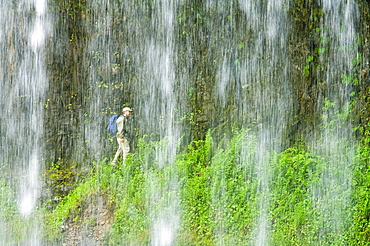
[259, 69]
[220, 90]
[336, 141]
[151, 94]
[24, 32]
[159, 70]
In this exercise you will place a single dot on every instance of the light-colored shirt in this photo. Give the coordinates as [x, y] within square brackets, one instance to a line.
[121, 127]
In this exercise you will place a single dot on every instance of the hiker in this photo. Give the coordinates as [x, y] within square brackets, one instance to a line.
[123, 137]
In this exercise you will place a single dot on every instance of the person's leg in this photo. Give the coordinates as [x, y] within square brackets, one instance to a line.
[125, 149]
[119, 151]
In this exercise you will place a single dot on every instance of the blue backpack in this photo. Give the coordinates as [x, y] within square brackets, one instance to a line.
[112, 125]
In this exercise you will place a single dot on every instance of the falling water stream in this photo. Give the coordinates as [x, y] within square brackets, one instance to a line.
[25, 27]
[159, 70]
[336, 142]
[132, 56]
[154, 103]
[262, 73]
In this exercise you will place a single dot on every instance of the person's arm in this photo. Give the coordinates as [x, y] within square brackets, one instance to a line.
[120, 127]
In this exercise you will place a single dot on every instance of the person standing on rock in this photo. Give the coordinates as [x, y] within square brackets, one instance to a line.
[123, 136]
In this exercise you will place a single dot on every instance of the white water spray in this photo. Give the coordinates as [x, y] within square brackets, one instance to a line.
[333, 194]
[23, 36]
[264, 75]
[153, 98]
[35, 81]
[159, 68]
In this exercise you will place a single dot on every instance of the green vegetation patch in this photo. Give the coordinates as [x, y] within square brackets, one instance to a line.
[208, 195]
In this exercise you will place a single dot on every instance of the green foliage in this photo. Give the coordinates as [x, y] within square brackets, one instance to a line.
[126, 189]
[360, 233]
[195, 175]
[69, 207]
[214, 192]
[9, 219]
[292, 208]
[306, 69]
[233, 190]
[15, 226]
[61, 178]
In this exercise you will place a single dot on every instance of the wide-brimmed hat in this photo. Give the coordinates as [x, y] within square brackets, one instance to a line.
[126, 109]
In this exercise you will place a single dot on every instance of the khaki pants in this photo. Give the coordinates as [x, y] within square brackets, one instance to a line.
[123, 148]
